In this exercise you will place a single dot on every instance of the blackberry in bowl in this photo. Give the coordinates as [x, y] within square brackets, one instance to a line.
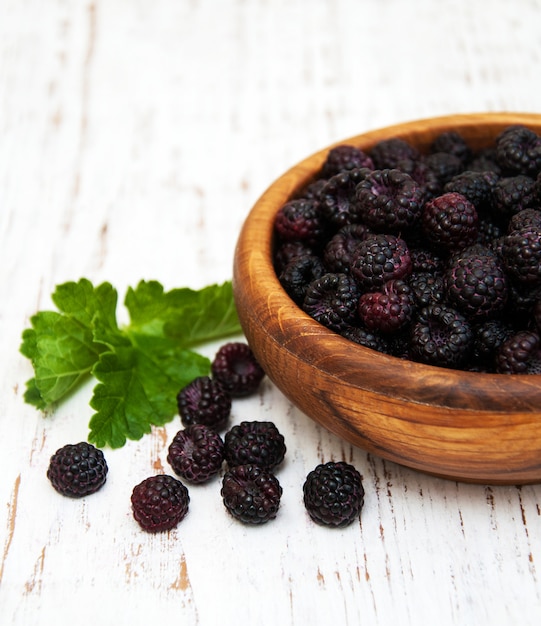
[454, 419]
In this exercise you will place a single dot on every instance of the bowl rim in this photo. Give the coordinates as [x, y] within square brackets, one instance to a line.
[339, 357]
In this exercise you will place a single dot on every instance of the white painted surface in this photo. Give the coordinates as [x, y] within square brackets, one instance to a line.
[134, 138]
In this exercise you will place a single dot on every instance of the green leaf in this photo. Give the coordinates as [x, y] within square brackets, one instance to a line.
[63, 353]
[138, 388]
[212, 316]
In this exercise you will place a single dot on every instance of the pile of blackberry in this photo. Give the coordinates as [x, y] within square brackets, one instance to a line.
[433, 257]
[251, 450]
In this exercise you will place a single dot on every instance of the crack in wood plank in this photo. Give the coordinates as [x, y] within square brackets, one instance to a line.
[12, 514]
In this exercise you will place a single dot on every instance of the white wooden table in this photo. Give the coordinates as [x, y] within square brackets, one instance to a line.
[134, 138]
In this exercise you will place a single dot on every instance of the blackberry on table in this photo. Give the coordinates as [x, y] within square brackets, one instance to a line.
[237, 369]
[333, 494]
[389, 201]
[204, 401]
[520, 354]
[77, 470]
[160, 503]
[441, 336]
[343, 158]
[251, 494]
[450, 221]
[379, 258]
[196, 453]
[388, 309]
[299, 273]
[254, 442]
[332, 300]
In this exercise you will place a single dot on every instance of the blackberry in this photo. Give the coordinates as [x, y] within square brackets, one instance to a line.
[333, 494]
[77, 470]
[422, 174]
[379, 258]
[476, 286]
[204, 401]
[488, 337]
[485, 160]
[337, 198]
[237, 369]
[520, 354]
[312, 190]
[521, 254]
[300, 220]
[488, 231]
[159, 503]
[256, 443]
[387, 153]
[441, 336]
[423, 260]
[251, 494]
[444, 165]
[475, 186]
[196, 453]
[452, 142]
[345, 157]
[332, 300]
[389, 201]
[513, 194]
[427, 288]
[338, 251]
[450, 221]
[518, 150]
[287, 251]
[525, 219]
[299, 273]
[388, 309]
[367, 338]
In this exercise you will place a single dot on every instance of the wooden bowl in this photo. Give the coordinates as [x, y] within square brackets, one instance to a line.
[466, 426]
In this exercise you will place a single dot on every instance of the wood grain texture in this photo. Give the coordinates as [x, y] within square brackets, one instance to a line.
[476, 427]
[134, 139]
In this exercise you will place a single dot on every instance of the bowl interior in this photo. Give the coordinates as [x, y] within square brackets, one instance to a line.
[461, 425]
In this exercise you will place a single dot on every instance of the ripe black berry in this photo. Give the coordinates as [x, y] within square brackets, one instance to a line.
[332, 300]
[196, 453]
[251, 494]
[159, 503]
[379, 258]
[518, 151]
[343, 158]
[299, 273]
[204, 401]
[257, 443]
[387, 309]
[237, 369]
[450, 221]
[388, 201]
[300, 220]
[333, 494]
[441, 336]
[77, 470]
[520, 354]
